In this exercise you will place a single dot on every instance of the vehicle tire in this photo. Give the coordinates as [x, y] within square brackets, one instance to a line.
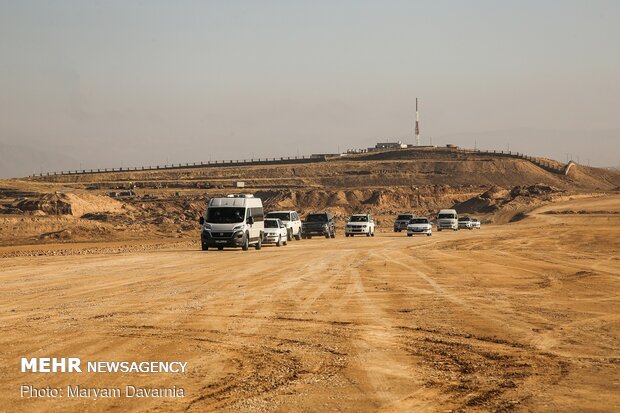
[373, 233]
[279, 242]
[285, 242]
[438, 229]
[246, 242]
[205, 247]
[327, 235]
[429, 234]
[395, 230]
[410, 235]
[309, 236]
[259, 243]
[333, 234]
[220, 248]
[289, 234]
[470, 228]
[298, 236]
[368, 234]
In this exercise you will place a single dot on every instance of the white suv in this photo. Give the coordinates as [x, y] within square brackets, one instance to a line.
[419, 226]
[291, 220]
[466, 223]
[360, 224]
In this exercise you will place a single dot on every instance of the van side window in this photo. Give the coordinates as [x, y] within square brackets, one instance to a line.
[257, 214]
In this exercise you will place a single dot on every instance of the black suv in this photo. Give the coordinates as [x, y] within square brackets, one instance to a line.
[319, 223]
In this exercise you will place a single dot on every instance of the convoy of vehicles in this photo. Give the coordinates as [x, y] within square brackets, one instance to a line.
[447, 219]
[291, 220]
[360, 224]
[239, 221]
[318, 223]
[465, 223]
[402, 220]
[275, 232]
[420, 226]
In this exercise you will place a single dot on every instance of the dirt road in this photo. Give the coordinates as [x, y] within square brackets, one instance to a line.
[517, 317]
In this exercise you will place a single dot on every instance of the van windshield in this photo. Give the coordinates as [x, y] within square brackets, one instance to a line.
[359, 218]
[284, 216]
[225, 215]
[403, 217]
[446, 216]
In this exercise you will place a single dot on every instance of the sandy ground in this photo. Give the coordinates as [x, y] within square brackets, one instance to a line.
[516, 317]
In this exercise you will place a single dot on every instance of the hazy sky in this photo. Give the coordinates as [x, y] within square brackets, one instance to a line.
[142, 82]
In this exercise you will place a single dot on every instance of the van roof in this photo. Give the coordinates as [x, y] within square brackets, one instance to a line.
[235, 202]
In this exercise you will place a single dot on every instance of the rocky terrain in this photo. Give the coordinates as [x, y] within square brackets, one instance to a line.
[153, 204]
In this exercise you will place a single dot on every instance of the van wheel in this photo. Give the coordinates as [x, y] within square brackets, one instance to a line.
[410, 235]
[373, 233]
[279, 243]
[333, 234]
[285, 242]
[246, 242]
[259, 243]
[298, 236]
[438, 229]
[395, 230]
[289, 234]
[205, 247]
[429, 234]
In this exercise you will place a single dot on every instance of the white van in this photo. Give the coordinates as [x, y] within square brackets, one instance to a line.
[234, 221]
[447, 219]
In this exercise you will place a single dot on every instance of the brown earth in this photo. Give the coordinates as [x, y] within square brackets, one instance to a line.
[515, 317]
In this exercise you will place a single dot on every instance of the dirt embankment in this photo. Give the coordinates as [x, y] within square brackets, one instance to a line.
[168, 203]
[387, 170]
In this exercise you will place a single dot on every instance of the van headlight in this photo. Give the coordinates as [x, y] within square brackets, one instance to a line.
[206, 227]
[237, 227]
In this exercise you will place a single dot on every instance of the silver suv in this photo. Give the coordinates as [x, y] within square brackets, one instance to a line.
[402, 221]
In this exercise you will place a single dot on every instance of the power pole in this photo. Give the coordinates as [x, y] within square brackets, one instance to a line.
[417, 124]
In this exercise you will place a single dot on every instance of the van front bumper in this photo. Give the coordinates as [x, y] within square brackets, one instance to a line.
[222, 239]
